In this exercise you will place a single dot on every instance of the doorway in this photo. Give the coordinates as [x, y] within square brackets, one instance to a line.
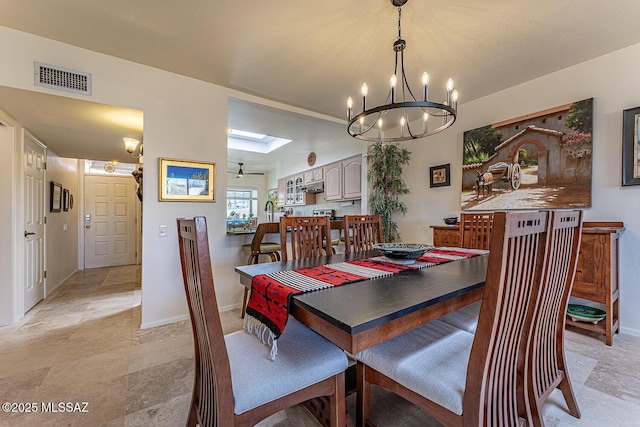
[34, 160]
[109, 221]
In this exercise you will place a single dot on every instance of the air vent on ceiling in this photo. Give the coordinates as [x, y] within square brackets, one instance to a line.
[54, 77]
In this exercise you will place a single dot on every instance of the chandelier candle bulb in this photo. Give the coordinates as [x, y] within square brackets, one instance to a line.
[454, 98]
[425, 84]
[402, 122]
[393, 81]
[380, 127]
[365, 91]
[349, 107]
[425, 118]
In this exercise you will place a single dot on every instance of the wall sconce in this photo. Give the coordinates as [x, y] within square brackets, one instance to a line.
[131, 144]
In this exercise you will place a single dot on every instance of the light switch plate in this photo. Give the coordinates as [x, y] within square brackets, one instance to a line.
[163, 231]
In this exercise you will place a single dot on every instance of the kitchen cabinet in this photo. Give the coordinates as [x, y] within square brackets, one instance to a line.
[343, 180]
[290, 191]
[333, 182]
[597, 274]
[313, 175]
[352, 178]
[294, 196]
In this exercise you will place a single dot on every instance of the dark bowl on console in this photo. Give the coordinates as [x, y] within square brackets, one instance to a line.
[402, 250]
[451, 221]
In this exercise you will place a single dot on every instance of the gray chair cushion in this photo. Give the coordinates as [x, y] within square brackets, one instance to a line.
[430, 360]
[304, 358]
[465, 318]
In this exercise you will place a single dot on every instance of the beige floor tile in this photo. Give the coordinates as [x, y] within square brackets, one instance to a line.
[158, 352]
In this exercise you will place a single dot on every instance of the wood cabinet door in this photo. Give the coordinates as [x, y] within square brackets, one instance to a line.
[592, 264]
[333, 181]
[446, 237]
[290, 191]
[298, 184]
[352, 175]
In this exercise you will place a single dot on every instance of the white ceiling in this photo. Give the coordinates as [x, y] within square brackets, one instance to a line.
[315, 54]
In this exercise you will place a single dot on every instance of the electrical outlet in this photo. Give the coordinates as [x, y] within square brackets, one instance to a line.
[163, 231]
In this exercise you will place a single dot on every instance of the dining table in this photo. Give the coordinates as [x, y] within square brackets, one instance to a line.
[360, 315]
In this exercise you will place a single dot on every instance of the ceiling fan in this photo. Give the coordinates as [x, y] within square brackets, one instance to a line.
[241, 173]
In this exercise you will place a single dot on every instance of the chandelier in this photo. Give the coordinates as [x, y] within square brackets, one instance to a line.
[403, 116]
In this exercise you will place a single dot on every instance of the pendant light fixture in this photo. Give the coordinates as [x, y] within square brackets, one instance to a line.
[404, 115]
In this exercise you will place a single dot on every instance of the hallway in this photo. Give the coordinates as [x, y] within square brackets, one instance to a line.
[83, 344]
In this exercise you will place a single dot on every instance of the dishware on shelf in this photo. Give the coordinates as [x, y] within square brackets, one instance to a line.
[451, 221]
[583, 313]
[402, 250]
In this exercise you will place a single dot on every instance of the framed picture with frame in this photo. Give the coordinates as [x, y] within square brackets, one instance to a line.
[631, 147]
[440, 176]
[65, 199]
[55, 197]
[186, 181]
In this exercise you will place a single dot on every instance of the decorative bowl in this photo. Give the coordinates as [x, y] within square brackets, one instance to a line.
[583, 313]
[402, 250]
[451, 221]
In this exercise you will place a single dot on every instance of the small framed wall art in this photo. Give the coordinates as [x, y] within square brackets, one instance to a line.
[440, 176]
[65, 199]
[55, 197]
[631, 147]
[186, 181]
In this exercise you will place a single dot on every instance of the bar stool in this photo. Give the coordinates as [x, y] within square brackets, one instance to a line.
[257, 247]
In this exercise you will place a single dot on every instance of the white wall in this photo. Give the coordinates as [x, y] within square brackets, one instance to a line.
[613, 83]
[61, 244]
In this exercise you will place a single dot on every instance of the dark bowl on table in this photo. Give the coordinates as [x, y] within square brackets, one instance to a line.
[451, 221]
[402, 250]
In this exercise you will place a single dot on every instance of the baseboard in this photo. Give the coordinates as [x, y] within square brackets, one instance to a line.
[50, 291]
[183, 317]
[630, 331]
[164, 321]
[230, 307]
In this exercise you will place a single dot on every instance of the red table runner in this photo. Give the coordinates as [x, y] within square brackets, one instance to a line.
[268, 307]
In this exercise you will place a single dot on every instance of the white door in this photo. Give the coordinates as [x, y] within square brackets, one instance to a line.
[109, 221]
[34, 200]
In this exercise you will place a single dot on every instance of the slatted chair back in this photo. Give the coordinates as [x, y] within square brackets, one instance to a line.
[212, 399]
[548, 368]
[307, 236]
[512, 285]
[475, 230]
[362, 232]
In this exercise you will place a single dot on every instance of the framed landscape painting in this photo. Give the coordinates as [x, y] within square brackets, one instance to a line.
[186, 181]
[538, 161]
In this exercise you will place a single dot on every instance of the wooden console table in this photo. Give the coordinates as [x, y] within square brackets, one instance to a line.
[596, 274]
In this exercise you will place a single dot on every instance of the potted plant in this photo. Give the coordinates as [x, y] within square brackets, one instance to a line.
[386, 185]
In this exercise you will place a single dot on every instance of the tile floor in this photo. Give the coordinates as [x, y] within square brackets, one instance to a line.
[83, 344]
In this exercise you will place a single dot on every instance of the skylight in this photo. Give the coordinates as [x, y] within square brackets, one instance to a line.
[253, 142]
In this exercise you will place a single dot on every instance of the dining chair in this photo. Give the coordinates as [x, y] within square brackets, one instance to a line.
[362, 232]
[236, 383]
[475, 230]
[547, 369]
[257, 247]
[308, 236]
[459, 378]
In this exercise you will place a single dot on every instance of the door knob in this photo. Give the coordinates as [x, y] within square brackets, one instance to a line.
[26, 233]
[87, 226]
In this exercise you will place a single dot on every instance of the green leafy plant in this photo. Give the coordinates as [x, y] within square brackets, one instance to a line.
[386, 185]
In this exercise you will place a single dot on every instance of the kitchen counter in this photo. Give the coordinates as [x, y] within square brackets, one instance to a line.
[236, 232]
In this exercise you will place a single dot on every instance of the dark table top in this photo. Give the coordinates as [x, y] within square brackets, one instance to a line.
[360, 306]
